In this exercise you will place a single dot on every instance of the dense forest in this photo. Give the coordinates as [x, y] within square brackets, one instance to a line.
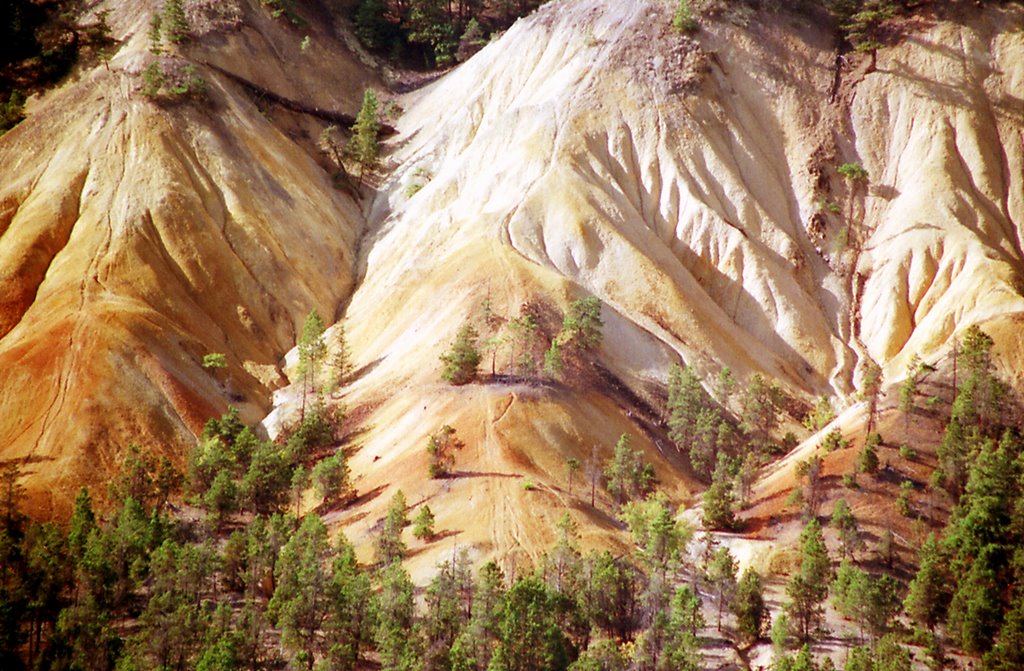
[225, 567]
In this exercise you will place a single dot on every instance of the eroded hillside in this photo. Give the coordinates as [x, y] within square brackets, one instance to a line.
[692, 186]
[690, 183]
[140, 234]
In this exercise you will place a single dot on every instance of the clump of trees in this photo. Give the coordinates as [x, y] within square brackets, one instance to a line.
[531, 350]
[437, 32]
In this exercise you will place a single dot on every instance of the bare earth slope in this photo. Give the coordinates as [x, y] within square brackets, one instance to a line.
[690, 184]
[138, 237]
[592, 151]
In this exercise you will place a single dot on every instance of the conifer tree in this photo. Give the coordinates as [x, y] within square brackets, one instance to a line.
[396, 636]
[175, 24]
[363, 146]
[423, 524]
[463, 359]
[808, 587]
[928, 595]
[749, 606]
[721, 573]
[390, 546]
[628, 475]
[312, 351]
[849, 533]
[301, 601]
[719, 500]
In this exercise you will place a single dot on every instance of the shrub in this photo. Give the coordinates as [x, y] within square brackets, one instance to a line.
[907, 452]
[683, 21]
[12, 112]
[441, 448]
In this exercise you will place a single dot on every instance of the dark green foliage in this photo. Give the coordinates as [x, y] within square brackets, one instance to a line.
[610, 595]
[849, 533]
[808, 587]
[871, 601]
[461, 361]
[528, 632]
[654, 529]
[602, 655]
[12, 111]
[582, 323]
[627, 475]
[867, 461]
[389, 544]
[301, 602]
[363, 146]
[721, 574]
[423, 524]
[331, 477]
[264, 487]
[175, 620]
[682, 20]
[395, 636]
[1008, 652]
[155, 34]
[473, 40]
[372, 27]
[929, 592]
[17, 30]
[312, 352]
[447, 610]
[761, 402]
[719, 500]
[428, 25]
[750, 608]
[174, 23]
[693, 418]
[285, 8]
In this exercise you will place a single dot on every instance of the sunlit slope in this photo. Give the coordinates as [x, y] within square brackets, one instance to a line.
[693, 188]
[138, 237]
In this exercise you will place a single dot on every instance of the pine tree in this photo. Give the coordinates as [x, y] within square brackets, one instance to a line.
[628, 475]
[719, 500]
[372, 27]
[389, 546]
[721, 573]
[363, 146]
[175, 24]
[582, 324]
[301, 601]
[749, 606]
[396, 636]
[423, 524]
[870, 390]
[928, 595]
[349, 628]
[808, 587]
[849, 533]
[331, 476]
[312, 350]
[463, 359]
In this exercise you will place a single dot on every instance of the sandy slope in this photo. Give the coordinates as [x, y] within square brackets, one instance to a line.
[138, 237]
[589, 150]
[592, 151]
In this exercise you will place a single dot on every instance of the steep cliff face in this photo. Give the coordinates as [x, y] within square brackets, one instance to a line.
[138, 236]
